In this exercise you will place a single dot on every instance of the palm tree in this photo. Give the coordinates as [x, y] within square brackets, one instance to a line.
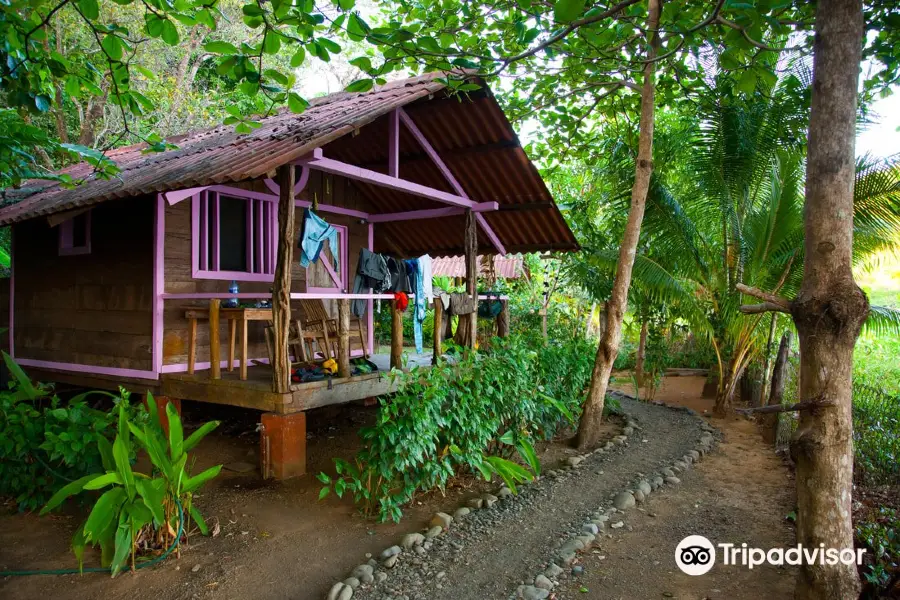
[736, 217]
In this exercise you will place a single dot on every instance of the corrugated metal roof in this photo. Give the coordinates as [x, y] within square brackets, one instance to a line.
[470, 133]
[505, 267]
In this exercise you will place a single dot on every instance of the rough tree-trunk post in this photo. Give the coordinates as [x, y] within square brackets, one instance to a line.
[471, 248]
[215, 346]
[503, 320]
[830, 308]
[343, 323]
[641, 355]
[438, 334]
[396, 336]
[589, 426]
[761, 401]
[281, 292]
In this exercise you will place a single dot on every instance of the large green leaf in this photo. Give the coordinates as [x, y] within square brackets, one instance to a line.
[526, 451]
[153, 494]
[70, 489]
[124, 546]
[194, 483]
[567, 10]
[25, 387]
[199, 434]
[199, 520]
[105, 512]
[101, 481]
[176, 432]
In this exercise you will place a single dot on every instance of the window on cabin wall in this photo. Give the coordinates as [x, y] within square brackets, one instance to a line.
[75, 235]
[329, 273]
[234, 237]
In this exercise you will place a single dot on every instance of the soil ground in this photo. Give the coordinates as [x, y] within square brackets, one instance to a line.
[277, 541]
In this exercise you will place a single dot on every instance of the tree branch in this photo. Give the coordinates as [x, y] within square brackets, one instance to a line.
[771, 302]
[780, 408]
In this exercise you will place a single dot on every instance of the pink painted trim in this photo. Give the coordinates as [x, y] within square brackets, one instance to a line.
[222, 295]
[298, 186]
[338, 210]
[12, 289]
[215, 234]
[159, 280]
[260, 241]
[234, 276]
[370, 319]
[488, 231]
[431, 213]
[448, 175]
[199, 247]
[250, 237]
[336, 167]
[299, 296]
[394, 143]
[90, 369]
[177, 196]
[67, 237]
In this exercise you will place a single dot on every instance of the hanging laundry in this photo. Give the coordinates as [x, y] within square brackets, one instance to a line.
[421, 302]
[402, 300]
[462, 304]
[371, 273]
[399, 278]
[314, 235]
[425, 270]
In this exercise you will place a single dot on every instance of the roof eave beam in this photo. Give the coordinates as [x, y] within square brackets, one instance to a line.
[327, 165]
[431, 213]
[445, 171]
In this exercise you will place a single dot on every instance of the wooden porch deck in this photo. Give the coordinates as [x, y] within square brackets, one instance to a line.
[256, 391]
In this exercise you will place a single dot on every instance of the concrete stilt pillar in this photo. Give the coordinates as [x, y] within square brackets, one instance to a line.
[283, 445]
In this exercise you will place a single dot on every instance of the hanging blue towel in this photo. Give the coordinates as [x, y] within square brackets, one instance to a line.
[315, 233]
[421, 305]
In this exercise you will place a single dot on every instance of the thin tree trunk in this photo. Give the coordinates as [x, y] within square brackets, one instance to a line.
[769, 423]
[592, 416]
[830, 308]
[281, 293]
[641, 355]
[765, 374]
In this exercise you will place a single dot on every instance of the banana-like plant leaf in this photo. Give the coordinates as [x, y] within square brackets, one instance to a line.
[153, 411]
[199, 520]
[153, 496]
[101, 481]
[526, 451]
[123, 465]
[193, 483]
[124, 544]
[105, 512]
[176, 433]
[106, 454]
[70, 489]
[198, 435]
[26, 388]
[78, 545]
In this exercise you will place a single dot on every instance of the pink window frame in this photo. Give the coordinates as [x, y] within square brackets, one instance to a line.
[261, 236]
[67, 237]
[340, 280]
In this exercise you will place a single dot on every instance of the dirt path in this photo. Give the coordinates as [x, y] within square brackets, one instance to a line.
[493, 552]
[740, 493]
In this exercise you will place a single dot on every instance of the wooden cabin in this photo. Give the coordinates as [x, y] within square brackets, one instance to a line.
[126, 281]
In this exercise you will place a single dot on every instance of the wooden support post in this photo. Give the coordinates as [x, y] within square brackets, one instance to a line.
[471, 248]
[215, 366]
[281, 294]
[343, 323]
[503, 320]
[438, 351]
[396, 336]
[283, 445]
[192, 345]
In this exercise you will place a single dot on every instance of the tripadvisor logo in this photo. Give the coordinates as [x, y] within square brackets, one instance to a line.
[696, 555]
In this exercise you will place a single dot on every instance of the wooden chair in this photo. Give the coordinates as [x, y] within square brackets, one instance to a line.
[295, 342]
[319, 326]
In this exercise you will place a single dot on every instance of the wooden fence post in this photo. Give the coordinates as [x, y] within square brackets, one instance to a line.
[215, 346]
[343, 323]
[396, 336]
[281, 292]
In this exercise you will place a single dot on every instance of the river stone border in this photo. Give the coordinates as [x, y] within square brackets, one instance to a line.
[368, 575]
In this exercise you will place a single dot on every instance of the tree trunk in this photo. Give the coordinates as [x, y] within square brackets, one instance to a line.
[641, 355]
[281, 292]
[830, 308]
[727, 386]
[761, 401]
[592, 416]
[471, 248]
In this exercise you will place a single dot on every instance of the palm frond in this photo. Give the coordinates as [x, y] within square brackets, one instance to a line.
[882, 321]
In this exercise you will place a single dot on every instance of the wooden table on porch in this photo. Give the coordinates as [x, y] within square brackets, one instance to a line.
[235, 316]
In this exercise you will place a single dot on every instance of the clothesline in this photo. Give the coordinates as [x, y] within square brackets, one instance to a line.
[302, 296]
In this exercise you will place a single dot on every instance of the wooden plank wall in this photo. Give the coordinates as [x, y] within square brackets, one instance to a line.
[91, 309]
[178, 280]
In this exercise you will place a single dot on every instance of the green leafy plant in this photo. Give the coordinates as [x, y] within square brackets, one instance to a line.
[470, 415]
[879, 533]
[46, 442]
[138, 509]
